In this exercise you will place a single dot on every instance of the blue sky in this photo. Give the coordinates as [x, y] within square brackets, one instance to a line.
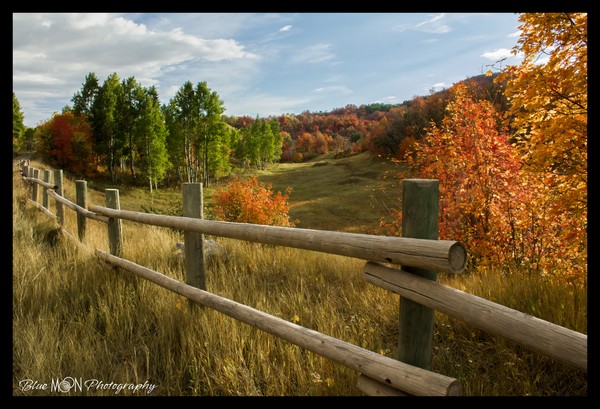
[259, 63]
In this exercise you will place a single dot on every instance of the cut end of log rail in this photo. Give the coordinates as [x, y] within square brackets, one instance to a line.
[457, 258]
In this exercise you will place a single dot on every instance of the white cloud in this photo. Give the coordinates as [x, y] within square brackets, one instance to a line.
[498, 54]
[388, 100]
[35, 79]
[59, 50]
[213, 25]
[21, 58]
[434, 24]
[285, 28]
[438, 86]
[83, 21]
[542, 59]
[116, 42]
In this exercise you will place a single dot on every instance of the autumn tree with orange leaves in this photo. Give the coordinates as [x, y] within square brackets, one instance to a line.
[478, 171]
[515, 192]
[547, 93]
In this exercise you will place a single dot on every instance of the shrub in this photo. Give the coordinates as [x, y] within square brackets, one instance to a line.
[251, 201]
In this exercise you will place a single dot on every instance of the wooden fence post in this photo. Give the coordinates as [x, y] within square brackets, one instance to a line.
[34, 190]
[26, 173]
[420, 208]
[58, 181]
[45, 189]
[115, 228]
[195, 269]
[81, 198]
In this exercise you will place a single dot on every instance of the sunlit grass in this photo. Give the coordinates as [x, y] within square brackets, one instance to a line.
[74, 316]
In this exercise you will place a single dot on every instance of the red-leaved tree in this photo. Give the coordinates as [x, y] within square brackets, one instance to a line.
[478, 171]
[66, 142]
[489, 201]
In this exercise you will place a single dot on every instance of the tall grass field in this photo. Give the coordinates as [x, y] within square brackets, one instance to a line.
[83, 328]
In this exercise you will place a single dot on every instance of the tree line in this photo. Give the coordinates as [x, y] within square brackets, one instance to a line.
[118, 129]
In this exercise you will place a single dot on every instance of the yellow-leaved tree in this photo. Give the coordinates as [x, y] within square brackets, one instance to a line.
[547, 95]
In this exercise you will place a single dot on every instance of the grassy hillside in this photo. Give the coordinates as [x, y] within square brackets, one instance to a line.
[348, 194]
[73, 316]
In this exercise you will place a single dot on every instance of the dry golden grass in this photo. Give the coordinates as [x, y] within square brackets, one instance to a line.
[74, 316]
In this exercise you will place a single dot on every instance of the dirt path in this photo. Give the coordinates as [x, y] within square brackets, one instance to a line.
[23, 155]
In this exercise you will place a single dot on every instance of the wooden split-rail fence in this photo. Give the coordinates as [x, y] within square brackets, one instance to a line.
[419, 253]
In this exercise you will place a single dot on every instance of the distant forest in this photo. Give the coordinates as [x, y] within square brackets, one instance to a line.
[118, 130]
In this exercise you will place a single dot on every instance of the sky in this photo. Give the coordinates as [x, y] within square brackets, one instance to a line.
[260, 64]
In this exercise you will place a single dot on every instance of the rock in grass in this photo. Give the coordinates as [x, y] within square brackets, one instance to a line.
[211, 249]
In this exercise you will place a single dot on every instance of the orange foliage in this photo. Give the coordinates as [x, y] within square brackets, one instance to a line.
[478, 174]
[298, 157]
[251, 201]
[548, 113]
[305, 142]
[406, 147]
[499, 209]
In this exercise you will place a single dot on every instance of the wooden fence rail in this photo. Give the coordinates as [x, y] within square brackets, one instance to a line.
[388, 371]
[560, 343]
[420, 260]
[40, 182]
[444, 255]
[78, 209]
